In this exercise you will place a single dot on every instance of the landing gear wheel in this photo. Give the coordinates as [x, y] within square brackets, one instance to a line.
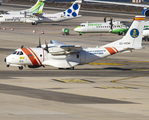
[21, 68]
[7, 65]
[72, 68]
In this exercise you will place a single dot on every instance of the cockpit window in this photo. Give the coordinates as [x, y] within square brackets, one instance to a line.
[146, 28]
[82, 25]
[14, 52]
[19, 53]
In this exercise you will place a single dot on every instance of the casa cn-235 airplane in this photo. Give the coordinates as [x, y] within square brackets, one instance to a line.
[37, 8]
[34, 19]
[65, 56]
[145, 11]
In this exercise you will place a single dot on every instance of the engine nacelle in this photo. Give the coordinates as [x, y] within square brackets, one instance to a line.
[145, 12]
[32, 66]
[31, 21]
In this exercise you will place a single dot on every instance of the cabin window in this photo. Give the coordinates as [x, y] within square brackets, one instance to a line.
[40, 55]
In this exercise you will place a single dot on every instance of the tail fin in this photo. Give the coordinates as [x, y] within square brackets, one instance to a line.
[133, 37]
[73, 11]
[38, 7]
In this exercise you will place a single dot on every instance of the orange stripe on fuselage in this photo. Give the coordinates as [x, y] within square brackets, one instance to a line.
[115, 49]
[110, 50]
[139, 18]
[35, 55]
[30, 56]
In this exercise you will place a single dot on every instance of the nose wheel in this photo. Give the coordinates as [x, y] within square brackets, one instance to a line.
[21, 68]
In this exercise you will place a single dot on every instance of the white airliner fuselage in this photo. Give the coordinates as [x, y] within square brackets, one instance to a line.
[70, 13]
[104, 27]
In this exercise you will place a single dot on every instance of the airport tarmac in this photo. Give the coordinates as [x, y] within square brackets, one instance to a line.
[113, 88]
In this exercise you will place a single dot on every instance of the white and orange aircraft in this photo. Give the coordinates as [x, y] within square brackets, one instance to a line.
[64, 56]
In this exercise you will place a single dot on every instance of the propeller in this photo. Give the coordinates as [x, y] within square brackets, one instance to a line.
[46, 48]
[111, 23]
[39, 46]
[105, 19]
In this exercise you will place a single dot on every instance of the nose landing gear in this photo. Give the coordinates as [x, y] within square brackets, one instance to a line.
[20, 67]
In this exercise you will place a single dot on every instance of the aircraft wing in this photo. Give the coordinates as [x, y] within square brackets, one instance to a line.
[37, 14]
[71, 47]
[3, 12]
[59, 48]
[118, 3]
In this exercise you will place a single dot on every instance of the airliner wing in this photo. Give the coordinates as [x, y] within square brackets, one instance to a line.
[37, 14]
[3, 12]
[118, 3]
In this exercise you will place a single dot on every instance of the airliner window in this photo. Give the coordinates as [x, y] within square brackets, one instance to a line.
[14, 52]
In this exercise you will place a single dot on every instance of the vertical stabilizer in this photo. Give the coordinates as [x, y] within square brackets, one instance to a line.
[38, 7]
[133, 37]
[73, 11]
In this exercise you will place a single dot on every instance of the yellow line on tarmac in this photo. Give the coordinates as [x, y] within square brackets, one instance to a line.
[136, 61]
[117, 81]
[105, 64]
[73, 81]
[116, 87]
[140, 69]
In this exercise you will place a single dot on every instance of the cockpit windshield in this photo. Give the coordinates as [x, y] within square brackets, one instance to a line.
[146, 28]
[82, 25]
[14, 52]
[18, 52]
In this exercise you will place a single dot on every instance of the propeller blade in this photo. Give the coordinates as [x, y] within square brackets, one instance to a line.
[111, 23]
[39, 46]
[46, 48]
[105, 19]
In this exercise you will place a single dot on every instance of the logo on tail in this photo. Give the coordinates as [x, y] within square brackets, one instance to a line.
[73, 11]
[134, 33]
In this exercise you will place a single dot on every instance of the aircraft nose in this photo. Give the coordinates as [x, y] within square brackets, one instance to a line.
[75, 29]
[5, 60]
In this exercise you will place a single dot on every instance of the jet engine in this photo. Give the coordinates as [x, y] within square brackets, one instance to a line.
[145, 12]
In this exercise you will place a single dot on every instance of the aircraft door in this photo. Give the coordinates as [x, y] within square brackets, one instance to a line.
[82, 57]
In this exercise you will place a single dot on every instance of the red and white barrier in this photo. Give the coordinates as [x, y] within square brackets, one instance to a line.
[42, 32]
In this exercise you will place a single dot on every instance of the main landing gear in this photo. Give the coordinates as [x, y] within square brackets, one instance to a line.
[72, 68]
